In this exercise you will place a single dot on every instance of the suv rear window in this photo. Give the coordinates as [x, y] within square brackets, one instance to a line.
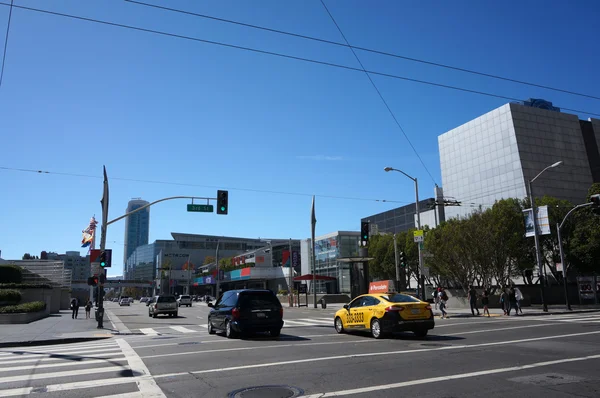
[258, 300]
[184, 297]
[166, 299]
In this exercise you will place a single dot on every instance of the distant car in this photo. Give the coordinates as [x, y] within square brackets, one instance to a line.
[184, 300]
[124, 300]
[246, 311]
[382, 314]
[163, 305]
[143, 299]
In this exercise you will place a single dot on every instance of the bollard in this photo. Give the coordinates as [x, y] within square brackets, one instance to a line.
[323, 304]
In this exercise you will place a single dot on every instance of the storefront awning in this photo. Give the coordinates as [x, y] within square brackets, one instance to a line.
[309, 277]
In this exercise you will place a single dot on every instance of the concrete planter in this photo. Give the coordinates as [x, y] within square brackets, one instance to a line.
[21, 318]
[49, 296]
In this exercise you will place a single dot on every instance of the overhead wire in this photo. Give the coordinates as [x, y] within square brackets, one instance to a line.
[201, 185]
[281, 55]
[6, 41]
[379, 93]
[385, 53]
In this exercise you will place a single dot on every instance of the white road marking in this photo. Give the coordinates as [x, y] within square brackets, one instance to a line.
[56, 349]
[58, 365]
[116, 322]
[373, 354]
[175, 354]
[288, 323]
[147, 386]
[40, 376]
[105, 355]
[449, 377]
[318, 321]
[496, 330]
[149, 332]
[205, 326]
[67, 353]
[125, 395]
[183, 329]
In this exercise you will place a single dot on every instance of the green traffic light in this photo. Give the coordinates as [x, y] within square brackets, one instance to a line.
[223, 208]
[103, 264]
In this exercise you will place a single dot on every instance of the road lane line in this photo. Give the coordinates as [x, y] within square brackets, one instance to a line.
[449, 377]
[147, 386]
[149, 332]
[70, 353]
[58, 365]
[124, 395]
[318, 321]
[40, 376]
[183, 329]
[497, 330]
[106, 356]
[55, 349]
[373, 354]
[288, 323]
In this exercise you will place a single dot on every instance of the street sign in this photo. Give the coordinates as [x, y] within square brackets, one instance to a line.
[94, 254]
[302, 289]
[96, 268]
[418, 235]
[200, 208]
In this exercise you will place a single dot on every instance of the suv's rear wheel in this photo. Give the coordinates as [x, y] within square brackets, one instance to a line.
[275, 332]
[211, 330]
[229, 332]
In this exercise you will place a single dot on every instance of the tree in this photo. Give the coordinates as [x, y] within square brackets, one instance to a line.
[28, 256]
[584, 250]
[208, 260]
[381, 248]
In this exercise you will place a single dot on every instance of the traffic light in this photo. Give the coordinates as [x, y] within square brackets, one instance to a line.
[364, 232]
[92, 281]
[105, 258]
[403, 262]
[595, 199]
[222, 202]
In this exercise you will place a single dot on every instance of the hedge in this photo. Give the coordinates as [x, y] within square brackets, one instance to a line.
[10, 296]
[10, 274]
[34, 306]
[25, 286]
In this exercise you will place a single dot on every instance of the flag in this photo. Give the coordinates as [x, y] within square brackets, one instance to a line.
[88, 233]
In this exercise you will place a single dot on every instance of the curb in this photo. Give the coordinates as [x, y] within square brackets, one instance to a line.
[69, 340]
[541, 313]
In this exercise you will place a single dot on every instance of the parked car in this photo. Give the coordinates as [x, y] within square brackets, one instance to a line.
[124, 300]
[246, 311]
[149, 301]
[163, 305]
[143, 299]
[184, 300]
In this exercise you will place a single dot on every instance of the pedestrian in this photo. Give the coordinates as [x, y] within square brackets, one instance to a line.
[473, 300]
[519, 297]
[504, 300]
[512, 299]
[88, 309]
[74, 307]
[485, 300]
[443, 301]
[436, 297]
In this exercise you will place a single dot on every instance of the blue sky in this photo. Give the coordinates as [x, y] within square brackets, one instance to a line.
[77, 95]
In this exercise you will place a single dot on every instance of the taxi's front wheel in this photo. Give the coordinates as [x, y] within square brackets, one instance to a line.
[339, 325]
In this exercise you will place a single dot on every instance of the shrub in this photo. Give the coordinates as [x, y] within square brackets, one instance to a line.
[34, 306]
[25, 286]
[283, 292]
[10, 274]
[9, 297]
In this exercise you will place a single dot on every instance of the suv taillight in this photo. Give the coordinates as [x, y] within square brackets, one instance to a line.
[235, 313]
[281, 311]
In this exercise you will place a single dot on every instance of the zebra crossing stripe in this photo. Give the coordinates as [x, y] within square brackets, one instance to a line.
[183, 330]
[149, 331]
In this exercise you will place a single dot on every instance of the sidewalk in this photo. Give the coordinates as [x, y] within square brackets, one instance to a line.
[534, 310]
[55, 329]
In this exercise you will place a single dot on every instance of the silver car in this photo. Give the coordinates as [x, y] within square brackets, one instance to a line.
[162, 305]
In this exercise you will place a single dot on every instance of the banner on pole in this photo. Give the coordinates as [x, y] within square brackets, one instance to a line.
[543, 221]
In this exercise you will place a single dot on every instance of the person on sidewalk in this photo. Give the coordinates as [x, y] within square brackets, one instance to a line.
[485, 300]
[443, 301]
[512, 299]
[436, 297]
[519, 297]
[88, 309]
[74, 307]
[504, 299]
[473, 300]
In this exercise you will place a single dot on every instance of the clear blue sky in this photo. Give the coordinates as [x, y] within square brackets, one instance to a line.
[77, 95]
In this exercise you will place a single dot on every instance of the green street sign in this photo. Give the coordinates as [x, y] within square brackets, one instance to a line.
[200, 208]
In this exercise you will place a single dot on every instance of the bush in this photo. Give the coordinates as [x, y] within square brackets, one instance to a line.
[10, 274]
[34, 306]
[25, 286]
[9, 297]
[283, 292]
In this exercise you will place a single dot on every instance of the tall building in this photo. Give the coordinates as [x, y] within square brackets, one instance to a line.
[137, 227]
[495, 155]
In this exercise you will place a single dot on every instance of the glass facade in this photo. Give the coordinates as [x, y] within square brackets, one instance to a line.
[328, 249]
[137, 227]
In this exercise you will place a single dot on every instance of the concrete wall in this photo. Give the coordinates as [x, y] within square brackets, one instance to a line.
[52, 298]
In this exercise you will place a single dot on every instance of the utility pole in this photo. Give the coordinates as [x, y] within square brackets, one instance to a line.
[421, 270]
[291, 277]
[100, 288]
[218, 286]
[397, 264]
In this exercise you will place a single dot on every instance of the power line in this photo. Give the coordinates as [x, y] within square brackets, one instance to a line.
[275, 54]
[6, 41]
[201, 185]
[379, 93]
[388, 54]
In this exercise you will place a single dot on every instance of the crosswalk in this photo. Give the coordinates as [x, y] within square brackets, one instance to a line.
[202, 328]
[592, 317]
[103, 368]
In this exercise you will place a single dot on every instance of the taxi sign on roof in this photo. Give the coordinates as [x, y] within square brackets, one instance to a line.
[382, 287]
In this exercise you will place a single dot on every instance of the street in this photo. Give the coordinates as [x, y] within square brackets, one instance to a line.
[553, 355]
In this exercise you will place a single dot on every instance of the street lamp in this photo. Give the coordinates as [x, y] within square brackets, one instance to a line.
[421, 276]
[536, 237]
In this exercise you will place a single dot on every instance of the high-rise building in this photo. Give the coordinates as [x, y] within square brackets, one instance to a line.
[137, 227]
[495, 156]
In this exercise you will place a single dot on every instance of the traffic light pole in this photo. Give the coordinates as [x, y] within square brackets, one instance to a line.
[398, 287]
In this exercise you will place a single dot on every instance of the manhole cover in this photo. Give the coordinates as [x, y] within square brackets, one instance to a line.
[547, 379]
[267, 392]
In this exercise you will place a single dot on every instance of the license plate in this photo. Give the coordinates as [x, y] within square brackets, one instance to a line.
[415, 311]
[261, 315]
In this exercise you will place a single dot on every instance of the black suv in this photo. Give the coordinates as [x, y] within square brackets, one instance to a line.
[246, 311]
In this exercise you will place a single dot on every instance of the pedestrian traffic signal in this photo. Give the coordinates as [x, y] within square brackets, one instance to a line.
[92, 281]
[403, 262]
[364, 232]
[595, 199]
[105, 258]
[222, 202]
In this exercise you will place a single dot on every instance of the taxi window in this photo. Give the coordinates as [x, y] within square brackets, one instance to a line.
[357, 303]
[401, 298]
[367, 301]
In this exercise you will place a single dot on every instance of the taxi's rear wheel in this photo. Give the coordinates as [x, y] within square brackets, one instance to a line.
[421, 333]
[376, 331]
[339, 325]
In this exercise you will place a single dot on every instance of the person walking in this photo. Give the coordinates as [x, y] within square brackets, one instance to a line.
[88, 309]
[504, 300]
[519, 297]
[443, 301]
[473, 300]
[74, 307]
[512, 299]
[485, 300]
[436, 297]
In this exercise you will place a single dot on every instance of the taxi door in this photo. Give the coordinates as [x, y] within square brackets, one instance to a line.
[355, 315]
[368, 309]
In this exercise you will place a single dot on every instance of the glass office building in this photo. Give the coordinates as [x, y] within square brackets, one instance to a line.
[495, 155]
[137, 227]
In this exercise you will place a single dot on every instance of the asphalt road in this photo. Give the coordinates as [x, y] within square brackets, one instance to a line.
[550, 356]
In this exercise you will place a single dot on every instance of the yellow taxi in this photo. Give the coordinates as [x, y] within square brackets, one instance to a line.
[385, 313]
